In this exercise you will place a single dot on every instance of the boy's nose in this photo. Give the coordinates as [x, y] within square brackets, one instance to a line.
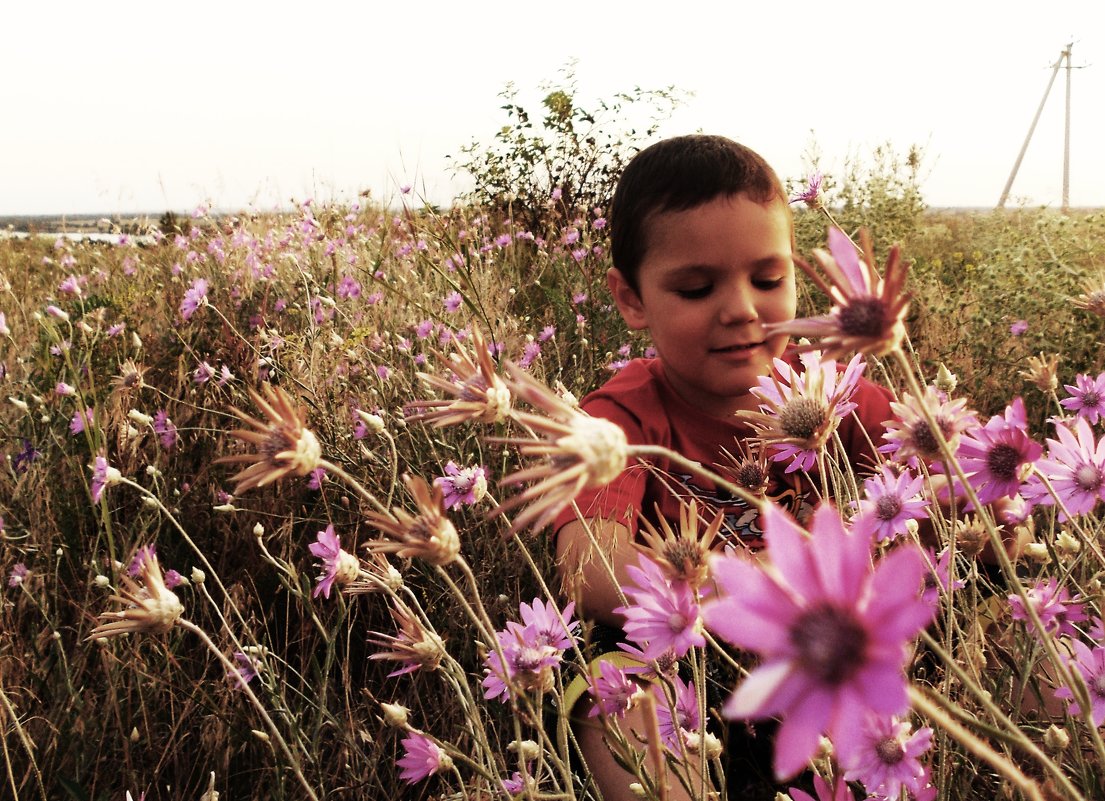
[738, 308]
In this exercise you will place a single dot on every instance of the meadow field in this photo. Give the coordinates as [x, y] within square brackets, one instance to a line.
[264, 533]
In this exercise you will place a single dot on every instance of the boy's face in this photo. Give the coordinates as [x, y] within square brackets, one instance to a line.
[712, 276]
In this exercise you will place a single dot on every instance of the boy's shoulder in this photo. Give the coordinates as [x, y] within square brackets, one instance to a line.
[637, 376]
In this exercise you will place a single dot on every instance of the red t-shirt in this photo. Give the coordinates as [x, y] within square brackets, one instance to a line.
[641, 401]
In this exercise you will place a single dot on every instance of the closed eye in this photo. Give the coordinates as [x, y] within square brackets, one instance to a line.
[696, 293]
[768, 283]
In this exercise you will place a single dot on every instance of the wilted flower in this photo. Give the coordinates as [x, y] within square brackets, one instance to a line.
[832, 631]
[868, 311]
[284, 444]
[414, 647]
[479, 394]
[130, 377]
[428, 534]
[682, 555]
[800, 411]
[1041, 371]
[748, 468]
[338, 566]
[151, 606]
[422, 757]
[583, 453]
[1093, 299]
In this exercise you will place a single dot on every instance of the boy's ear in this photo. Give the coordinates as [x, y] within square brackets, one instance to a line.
[627, 299]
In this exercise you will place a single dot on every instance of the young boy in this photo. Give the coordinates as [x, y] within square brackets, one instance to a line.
[702, 243]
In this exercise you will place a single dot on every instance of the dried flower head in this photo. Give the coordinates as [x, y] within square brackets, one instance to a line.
[284, 444]
[131, 377]
[428, 534]
[150, 605]
[682, 555]
[414, 646]
[478, 392]
[583, 452]
[749, 470]
[868, 311]
[1093, 299]
[1042, 371]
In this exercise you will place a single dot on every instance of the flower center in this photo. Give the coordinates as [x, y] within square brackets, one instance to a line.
[677, 622]
[751, 475]
[1002, 461]
[1090, 399]
[887, 507]
[1088, 478]
[890, 751]
[1097, 686]
[863, 317]
[802, 417]
[830, 644]
[924, 440]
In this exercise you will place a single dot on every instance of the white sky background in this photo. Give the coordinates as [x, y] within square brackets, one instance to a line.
[118, 107]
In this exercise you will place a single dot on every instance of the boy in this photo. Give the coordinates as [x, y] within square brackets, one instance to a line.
[703, 250]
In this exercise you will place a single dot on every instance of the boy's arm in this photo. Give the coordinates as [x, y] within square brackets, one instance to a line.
[583, 573]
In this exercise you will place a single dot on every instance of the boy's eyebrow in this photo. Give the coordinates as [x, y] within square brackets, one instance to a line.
[778, 260]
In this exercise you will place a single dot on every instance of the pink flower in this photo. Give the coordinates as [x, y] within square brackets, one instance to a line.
[18, 575]
[886, 759]
[81, 420]
[1087, 397]
[892, 500]
[1091, 665]
[938, 576]
[1075, 467]
[1018, 328]
[65, 389]
[526, 664]
[194, 297]
[462, 485]
[613, 690]
[203, 373]
[680, 721]
[1057, 610]
[547, 626]
[165, 429]
[453, 301]
[422, 757]
[909, 436]
[103, 475]
[832, 631]
[825, 791]
[662, 614]
[337, 565]
[811, 195]
[999, 456]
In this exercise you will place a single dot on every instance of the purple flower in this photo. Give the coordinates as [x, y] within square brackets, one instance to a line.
[825, 791]
[64, 389]
[4, 330]
[194, 297]
[662, 614]
[247, 669]
[1057, 610]
[203, 373]
[998, 457]
[1075, 468]
[938, 576]
[318, 475]
[526, 663]
[453, 301]
[811, 195]
[424, 329]
[173, 579]
[103, 475]
[1018, 328]
[547, 333]
[1091, 665]
[462, 485]
[26, 457]
[683, 719]
[147, 553]
[1087, 397]
[18, 574]
[832, 631]
[165, 429]
[886, 759]
[422, 757]
[337, 565]
[547, 626]
[530, 352]
[81, 420]
[892, 500]
[613, 690]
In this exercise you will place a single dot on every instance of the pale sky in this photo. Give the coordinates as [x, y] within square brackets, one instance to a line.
[117, 107]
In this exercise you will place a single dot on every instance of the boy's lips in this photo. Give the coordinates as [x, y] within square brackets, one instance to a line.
[737, 348]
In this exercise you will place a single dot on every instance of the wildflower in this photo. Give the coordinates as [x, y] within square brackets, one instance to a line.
[138, 561]
[56, 313]
[550, 626]
[422, 757]
[662, 614]
[831, 629]
[584, 452]
[414, 646]
[886, 761]
[868, 311]
[999, 456]
[338, 566]
[800, 411]
[811, 195]
[165, 429]
[1087, 397]
[892, 499]
[18, 575]
[938, 577]
[683, 720]
[1093, 299]
[1018, 328]
[4, 330]
[527, 663]
[396, 715]
[427, 534]
[130, 377]
[151, 606]
[82, 418]
[26, 457]
[530, 353]
[1090, 664]
[683, 556]
[462, 485]
[1041, 371]
[65, 389]
[103, 475]
[1075, 467]
[613, 690]
[174, 579]
[1057, 610]
[284, 444]
[453, 301]
[248, 668]
[825, 791]
[910, 436]
[194, 297]
[203, 373]
[479, 393]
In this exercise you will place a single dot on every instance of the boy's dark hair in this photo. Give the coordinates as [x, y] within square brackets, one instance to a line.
[678, 174]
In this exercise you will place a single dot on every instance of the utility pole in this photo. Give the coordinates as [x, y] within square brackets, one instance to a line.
[1064, 57]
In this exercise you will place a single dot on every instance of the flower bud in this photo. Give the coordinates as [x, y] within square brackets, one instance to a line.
[395, 715]
[102, 581]
[527, 749]
[258, 530]
[1037, 552]
[198, 576]
[1056, 739]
